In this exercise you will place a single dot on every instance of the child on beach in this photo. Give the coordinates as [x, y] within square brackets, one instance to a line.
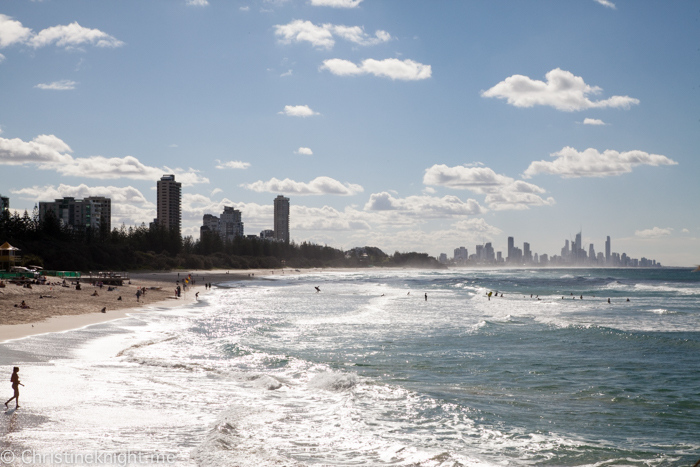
[14, 379]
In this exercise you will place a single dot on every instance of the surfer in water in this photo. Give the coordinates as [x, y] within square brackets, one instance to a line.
[318, 289]
[14, 379]
[426, 296]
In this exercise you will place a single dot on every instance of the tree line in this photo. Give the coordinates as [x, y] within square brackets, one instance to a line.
[48, 243]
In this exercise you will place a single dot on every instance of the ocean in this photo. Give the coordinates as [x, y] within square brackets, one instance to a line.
[369, 372]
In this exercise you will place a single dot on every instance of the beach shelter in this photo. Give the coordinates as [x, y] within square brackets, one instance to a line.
[8, 256]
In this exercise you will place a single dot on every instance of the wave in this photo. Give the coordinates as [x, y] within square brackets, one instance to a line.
[331, 381]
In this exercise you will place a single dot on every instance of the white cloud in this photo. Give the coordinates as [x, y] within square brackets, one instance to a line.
[73, 35]
[68, 36]
[593, 121]
[502, 192]
[244, 8]
[216, 190]
[286, 73]
[321, 36]
[563, 91]
[173, 145]
[685, 231]
[2, 58]
[570, 163]
[424, 206]
[393, 68]
[304, 151]
[336, 3]
[298, 31]
[656, 232]
[49, 152]
[197, 2]
[12, 32]
[327, 218]
[63, 85]
[606, 3]
[232, 165]
[477, 179]
[297, 111]
[317, 186]
[518, 195]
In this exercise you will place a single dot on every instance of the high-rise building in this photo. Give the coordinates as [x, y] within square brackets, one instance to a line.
[461, 254]
[527, 254]
[282, 219]
[565, 251]
[230, 223]
[94, 212]
[489, 254]
[169, 195]
[607, 252]
[578, 250]
[511, 245]
[4, 204]
[591, 253]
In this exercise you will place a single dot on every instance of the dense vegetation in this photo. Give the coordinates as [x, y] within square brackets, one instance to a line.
[49, 244]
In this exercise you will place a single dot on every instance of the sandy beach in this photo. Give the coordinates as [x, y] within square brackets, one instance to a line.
[54, 308]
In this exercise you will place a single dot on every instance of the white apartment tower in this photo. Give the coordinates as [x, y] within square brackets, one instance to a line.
[169, 194]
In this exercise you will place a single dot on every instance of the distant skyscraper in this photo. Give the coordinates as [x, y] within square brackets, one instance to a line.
[578, 249]
[591, 253]
[4, 204]
[282, 219]
[607, 251]
[489, 254]
[511, 245]
[169, 194]
[527, 254]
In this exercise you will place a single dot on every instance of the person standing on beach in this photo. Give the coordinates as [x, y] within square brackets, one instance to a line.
[14, 379]
[138, 295]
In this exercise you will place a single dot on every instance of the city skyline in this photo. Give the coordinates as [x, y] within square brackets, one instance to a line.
[405, 126]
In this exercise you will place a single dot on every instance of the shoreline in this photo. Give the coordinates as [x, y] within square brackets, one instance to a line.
[79, 316]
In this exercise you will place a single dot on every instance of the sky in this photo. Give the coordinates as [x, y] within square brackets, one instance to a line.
[407, 125]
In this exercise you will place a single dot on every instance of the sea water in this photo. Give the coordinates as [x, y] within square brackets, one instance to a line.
[369, 372]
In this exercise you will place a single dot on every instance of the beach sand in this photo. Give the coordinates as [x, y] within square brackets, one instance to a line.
[68, 308]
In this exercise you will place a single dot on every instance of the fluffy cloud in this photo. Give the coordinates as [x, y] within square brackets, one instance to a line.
[232, 165]
[477, 179]
[68, 36]
[570, 163]
[593, 121]
[317, 186]
[2, 58]
[518, 195]
[563, 91]
[606, 3]
[337, 3]
[321, 36]
[327, 218]
[304, 151]
[49, 152]
[297, 111]
[12, 32]
[63, 85]
[656, 232]
[197, 2]
[685, 231]
[393, 68]
[424, 206]
[502, 192]
[42, 149]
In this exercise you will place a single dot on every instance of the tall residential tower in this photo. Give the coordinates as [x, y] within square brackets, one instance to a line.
[282, 219]
[169, 198]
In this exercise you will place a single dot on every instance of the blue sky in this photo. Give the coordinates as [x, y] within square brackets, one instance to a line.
[408, 125]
